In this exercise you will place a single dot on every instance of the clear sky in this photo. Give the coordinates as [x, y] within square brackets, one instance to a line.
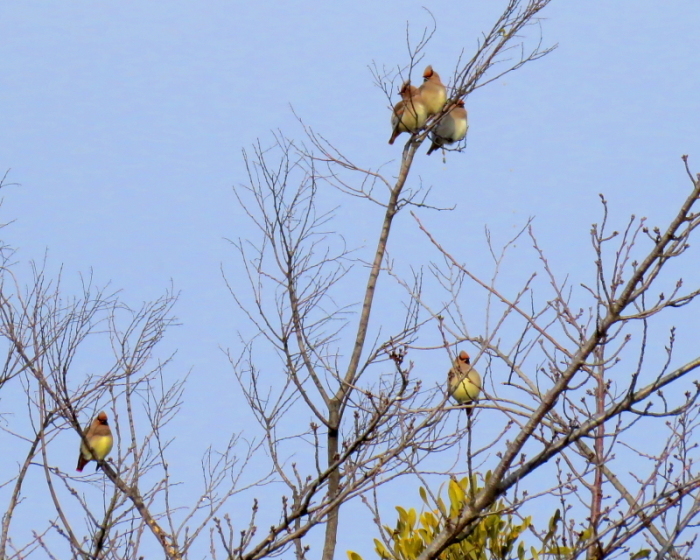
[123, 124]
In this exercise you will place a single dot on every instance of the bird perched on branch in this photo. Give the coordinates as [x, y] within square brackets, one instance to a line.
[409, 114]
[99, 436]
[464, 382]
[451, 128]
[432, 91]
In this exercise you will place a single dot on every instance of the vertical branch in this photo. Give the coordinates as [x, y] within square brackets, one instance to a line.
[101, 535]
[594, 550]
[337, 403]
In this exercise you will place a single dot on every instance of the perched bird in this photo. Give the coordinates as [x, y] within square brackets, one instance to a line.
[99, 436]
[451, 128]
[463, 381]
[409, 114]
[433, 91]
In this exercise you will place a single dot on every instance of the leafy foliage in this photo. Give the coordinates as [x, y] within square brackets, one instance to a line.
[496, 536]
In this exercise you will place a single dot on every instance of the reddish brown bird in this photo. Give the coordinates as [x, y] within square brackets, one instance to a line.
[432, 91]
[464, 382]
[99, 436]
[409, 114]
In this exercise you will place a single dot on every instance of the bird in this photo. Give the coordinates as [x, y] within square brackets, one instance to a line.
[451, 128]
[409, 114]
[464, 382]
[99, 436]
[433, 91]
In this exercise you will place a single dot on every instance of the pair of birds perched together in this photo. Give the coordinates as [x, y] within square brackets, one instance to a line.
[418, 104]
[463, 383]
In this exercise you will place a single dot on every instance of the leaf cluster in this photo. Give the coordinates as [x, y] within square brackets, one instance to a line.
[496, 535]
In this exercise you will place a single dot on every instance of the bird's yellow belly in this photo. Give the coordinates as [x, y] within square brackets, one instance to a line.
[466, 392]
[436, 101]
[460, 130]
[410, 117]
[101, 445]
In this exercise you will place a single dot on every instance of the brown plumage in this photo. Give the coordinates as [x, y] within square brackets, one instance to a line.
[99, 436]
[464, 382]
[451, 128]
[409, 114]
[433, 91]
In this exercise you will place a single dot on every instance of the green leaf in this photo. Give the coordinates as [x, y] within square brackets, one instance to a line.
[555, 519]
[423, 495]
[456, 495]
[412, 518]
[381, 549]
[644, 553]
[429, 520]
[402, 513]
[441, 507]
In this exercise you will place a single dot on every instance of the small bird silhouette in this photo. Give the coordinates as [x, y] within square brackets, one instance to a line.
[409, 114]
[464, 382]
[99, 436]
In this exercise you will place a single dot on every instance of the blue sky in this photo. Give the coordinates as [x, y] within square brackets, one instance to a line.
[123, 125]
